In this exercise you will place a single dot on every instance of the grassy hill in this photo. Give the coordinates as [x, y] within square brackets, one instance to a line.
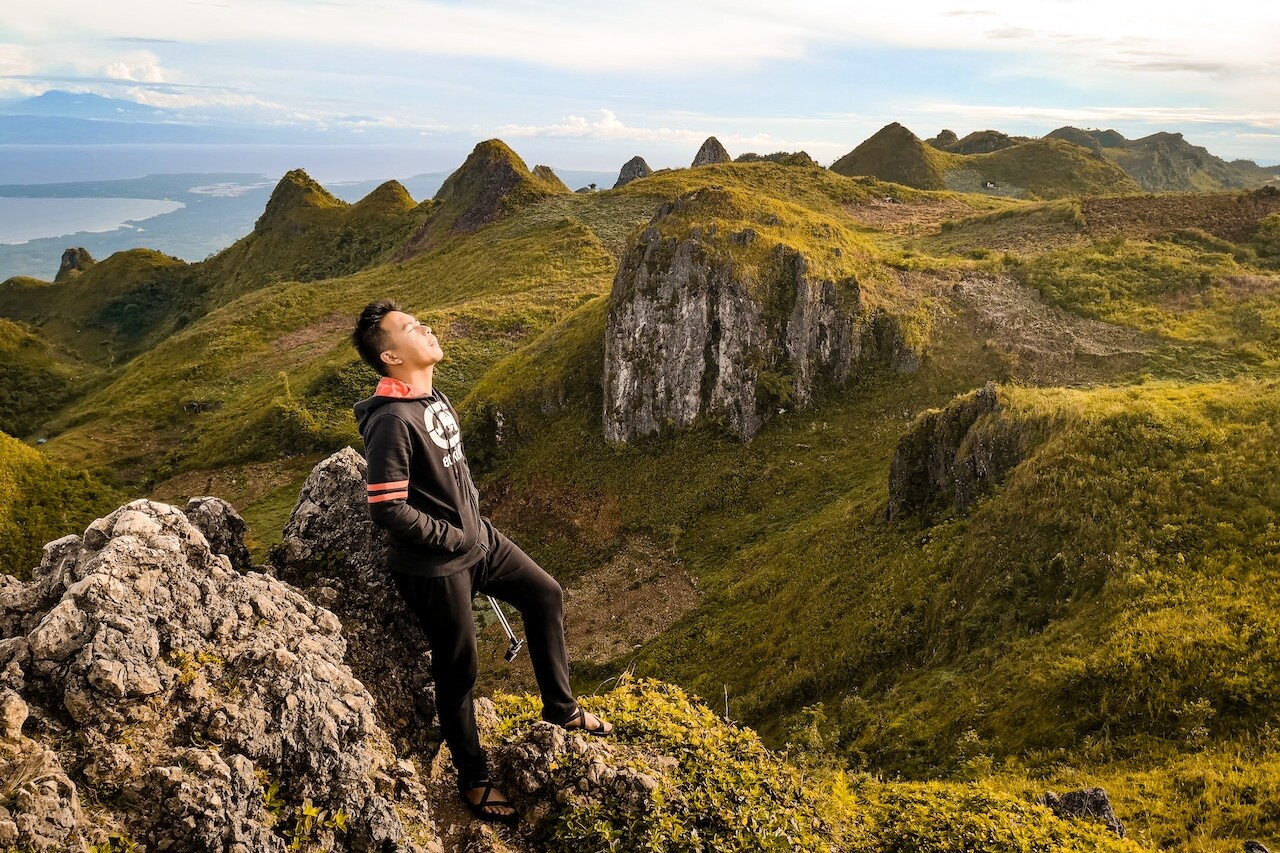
[1165, 162]
[1098, 608]
[986, 162]
[41, 500]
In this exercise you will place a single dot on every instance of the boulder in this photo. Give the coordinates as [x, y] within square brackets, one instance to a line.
[1085, 804]
[222, 527]
[633, 169]
[212, 706]
[333, 552]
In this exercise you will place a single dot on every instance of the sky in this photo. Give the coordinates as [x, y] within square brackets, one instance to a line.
[588, 85]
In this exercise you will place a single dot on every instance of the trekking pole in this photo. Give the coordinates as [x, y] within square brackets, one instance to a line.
[514, 649]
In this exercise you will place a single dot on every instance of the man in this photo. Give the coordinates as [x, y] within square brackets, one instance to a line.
[442, 551]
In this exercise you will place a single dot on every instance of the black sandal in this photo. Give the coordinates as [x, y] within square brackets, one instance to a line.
[485, 808]
[577, 722]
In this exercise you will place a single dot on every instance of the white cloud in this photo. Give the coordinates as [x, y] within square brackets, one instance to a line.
[137, 68]
[672, 36]
[1052, 117]
[609, 127]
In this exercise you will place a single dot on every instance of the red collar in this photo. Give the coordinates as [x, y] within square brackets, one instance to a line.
[389, 387]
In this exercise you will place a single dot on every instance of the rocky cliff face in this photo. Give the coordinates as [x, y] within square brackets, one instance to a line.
[203, 708]
[949, 456]
[693, 333]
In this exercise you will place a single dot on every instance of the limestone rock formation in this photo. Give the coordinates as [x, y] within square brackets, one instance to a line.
[334, 553]
[1085, 804]
[711, 152]
[74, 262]
[949, 455]
[633, 169]
[489, 185]
[208, 707]
[223, 527]
[692, 334]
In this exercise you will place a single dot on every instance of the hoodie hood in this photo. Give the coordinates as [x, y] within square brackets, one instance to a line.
[389, 390]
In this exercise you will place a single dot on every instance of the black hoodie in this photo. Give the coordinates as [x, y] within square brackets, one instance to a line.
[420, 487]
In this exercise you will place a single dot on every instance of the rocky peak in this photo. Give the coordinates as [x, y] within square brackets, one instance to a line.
[944, 140]
[713, 322]
[711, 152]
[74, 262]
[295, 194]
[492, 183]
[546, 176]
[632, 170]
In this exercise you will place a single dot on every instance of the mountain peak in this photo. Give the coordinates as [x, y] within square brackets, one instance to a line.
[492, 183]
[296, 192]
[711, 152]
[895, 154]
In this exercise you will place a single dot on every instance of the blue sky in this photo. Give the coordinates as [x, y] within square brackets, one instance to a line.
[588, 85]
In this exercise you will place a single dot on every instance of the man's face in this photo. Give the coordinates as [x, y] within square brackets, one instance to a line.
[411, 345]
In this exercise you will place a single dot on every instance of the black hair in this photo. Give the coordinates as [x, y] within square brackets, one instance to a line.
[369, 338]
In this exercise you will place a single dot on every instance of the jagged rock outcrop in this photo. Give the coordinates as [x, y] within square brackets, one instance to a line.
[222, 527]
[711, 152]
[39, 806]
[691, 333]
[208, 707]
[632, 170]
[1085, 804]
[334, 553]
[74, 262]
[950, 455]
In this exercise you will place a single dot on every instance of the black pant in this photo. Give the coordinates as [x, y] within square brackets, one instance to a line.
[443, 608]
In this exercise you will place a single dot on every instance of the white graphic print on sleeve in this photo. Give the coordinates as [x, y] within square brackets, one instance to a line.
[443, 429]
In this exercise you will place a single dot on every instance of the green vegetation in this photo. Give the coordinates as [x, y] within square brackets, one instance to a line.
[40, 501]
[1104, 614]
[37, 379]
[1190, 288]
[729, 793]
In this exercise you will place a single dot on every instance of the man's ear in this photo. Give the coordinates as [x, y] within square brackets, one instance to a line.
[388, 358]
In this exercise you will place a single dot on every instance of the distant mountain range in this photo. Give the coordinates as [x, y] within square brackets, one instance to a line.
[1067, 161]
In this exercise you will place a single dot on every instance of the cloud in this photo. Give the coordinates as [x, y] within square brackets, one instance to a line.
[609, 127]
[1097, 116]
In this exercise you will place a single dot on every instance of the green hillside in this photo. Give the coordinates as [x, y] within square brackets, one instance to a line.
[40, 501]
[37, 379]
[1077, 583]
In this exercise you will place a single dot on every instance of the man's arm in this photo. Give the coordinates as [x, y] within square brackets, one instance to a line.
[389, 451]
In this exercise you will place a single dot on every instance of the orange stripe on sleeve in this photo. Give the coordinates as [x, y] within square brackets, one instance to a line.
[389, 496]
[398, 484]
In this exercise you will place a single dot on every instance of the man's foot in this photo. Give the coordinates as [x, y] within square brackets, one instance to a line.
[488, 803]
[588, 722]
